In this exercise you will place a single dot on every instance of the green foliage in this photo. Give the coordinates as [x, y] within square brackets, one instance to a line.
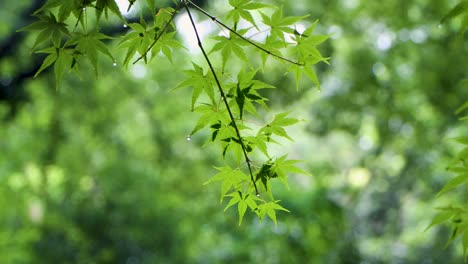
[231, 109]
[90, 44]
[457, 216]
[48, 29]
[130, 187]
[200, 81]
[242, 9]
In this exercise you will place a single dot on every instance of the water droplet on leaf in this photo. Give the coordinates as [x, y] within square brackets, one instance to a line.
[439, 26]
[114, 64]
[258, 194]
[84, 8]
[189, 138]
[124, 26]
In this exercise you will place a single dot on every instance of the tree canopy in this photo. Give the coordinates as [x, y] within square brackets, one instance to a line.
[334, 130]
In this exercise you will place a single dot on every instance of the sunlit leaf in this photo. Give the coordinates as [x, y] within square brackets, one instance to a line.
[200, 82]
[453, 183]
[231, 179]
[270, 209]
[440, 218]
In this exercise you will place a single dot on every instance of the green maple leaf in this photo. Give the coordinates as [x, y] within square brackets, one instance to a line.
[200, 82]
[298, 71]
[276, 126]
[229, 46]
[280, 25]
[242, 9]
[66, 7]
[90, 44]
[244, 93]
[453, 183]
[307, 55]
[61, 58]
[270, 209]
[163, 16]
[265, 174]
[230, 178]
[230, 140]
[166, 44]
[439, 218]
[283, 166]
[139, 40]
[259, 141]
[210, 114]
[243, 201]
[49, 29]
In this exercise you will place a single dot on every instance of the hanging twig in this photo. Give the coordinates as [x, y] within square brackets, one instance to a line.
[218, 84]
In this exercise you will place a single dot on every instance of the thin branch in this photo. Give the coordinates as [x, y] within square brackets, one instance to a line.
[131, 2]
[218, 84]
[242, 37]
[158, 36]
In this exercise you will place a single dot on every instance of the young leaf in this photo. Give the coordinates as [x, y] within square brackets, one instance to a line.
[242, 9]
[243, 201]
[91, 45]
[49, 29]
[230, 179]
[280, 25]
[49, 60]
[439, 218]
[283, 120]
[276, 126]
[139, 40]
[63, 63]
[265, 174]
[210, 115]
[282, 166]
[259, 141]
[200, 82]
[61, 57]
[312, 76]
[167, 45]
[453, 183]
[236, 197]
[270, 209]
[229, 46]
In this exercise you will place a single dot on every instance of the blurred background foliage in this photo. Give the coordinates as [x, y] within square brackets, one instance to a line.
[101, 171]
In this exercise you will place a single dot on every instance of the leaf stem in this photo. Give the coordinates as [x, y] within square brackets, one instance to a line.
[242, 37]
[218, 84]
